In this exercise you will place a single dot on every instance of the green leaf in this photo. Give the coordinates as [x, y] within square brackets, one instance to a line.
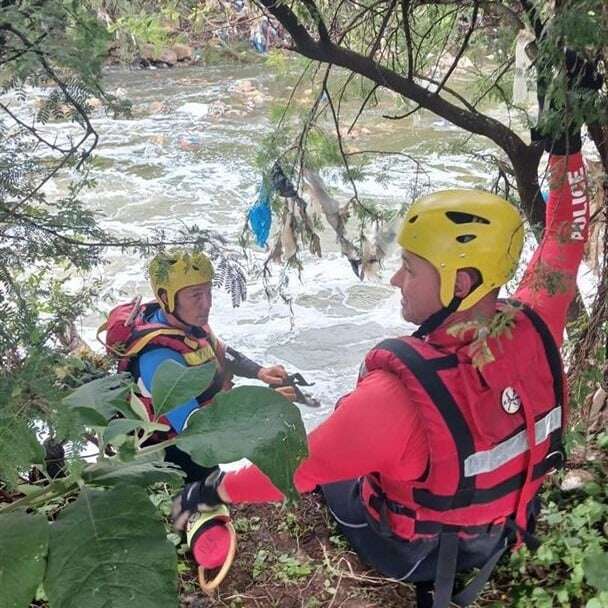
[109, 548]
[174, 384]
[119, 428]
[106, 396]
[19, 448]
[595, 565]
[138, 407]
[249, 422]
[23, 547]
[142, 472]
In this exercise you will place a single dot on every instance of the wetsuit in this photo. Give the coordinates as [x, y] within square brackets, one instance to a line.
[145, 366]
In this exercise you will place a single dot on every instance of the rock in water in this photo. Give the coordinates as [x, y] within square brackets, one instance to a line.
[183, 52]
[168, 56]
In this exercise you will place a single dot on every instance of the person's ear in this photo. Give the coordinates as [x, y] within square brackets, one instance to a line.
[465, 283]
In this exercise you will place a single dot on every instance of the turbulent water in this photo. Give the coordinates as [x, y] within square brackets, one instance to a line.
[147, 179]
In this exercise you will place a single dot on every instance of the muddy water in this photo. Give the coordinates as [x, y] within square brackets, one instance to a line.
[147, 177]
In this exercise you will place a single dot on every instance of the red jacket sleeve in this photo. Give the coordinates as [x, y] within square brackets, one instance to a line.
[549, 283]
[375, 428]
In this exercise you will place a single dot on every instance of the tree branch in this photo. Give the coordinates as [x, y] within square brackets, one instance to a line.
[474, 122]
[313, 10]
[405, 13]
[462, 49]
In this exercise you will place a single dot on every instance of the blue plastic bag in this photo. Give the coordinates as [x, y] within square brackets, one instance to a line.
[260, 216]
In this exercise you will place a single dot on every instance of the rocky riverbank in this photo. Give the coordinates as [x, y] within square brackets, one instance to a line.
[213, 30]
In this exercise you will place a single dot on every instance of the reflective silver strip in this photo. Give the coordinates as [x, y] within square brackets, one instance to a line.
[490, 460]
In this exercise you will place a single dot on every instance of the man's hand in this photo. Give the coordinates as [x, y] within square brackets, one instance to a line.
[273, 375]
[195, 497]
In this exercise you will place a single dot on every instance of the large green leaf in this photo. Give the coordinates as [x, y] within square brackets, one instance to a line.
[596, 566]
[24, 542]
[109, 550]
[142, 472]
[174, 384]
[107, 396]
[249, 422]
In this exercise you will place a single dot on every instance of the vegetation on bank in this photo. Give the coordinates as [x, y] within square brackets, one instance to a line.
[49, 243]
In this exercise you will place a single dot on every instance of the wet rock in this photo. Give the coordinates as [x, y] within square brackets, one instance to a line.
[575, 480]
[244, 86]
[168, 56]
[183, 52]
[95, 103]
[159, 107]
[190, 142]
[148, 52]
[158, 139]
[217, 109]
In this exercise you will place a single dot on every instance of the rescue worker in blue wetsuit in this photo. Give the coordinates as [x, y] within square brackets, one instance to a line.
[175, 327]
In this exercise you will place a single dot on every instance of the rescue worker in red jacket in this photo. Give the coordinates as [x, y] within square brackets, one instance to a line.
[433, 463]
[176, 328]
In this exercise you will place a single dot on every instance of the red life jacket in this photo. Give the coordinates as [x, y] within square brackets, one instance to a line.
[128, 334]
[493, 433]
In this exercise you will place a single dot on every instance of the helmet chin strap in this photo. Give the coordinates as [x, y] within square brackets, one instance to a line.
[193, 330]
[437, 318]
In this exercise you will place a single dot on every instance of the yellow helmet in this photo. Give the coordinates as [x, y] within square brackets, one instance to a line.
[175, 269]
[455, 229]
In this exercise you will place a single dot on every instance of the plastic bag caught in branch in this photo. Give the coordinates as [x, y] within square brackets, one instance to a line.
[260, 216]
[335, 218]
[289, 246]
[522, 63]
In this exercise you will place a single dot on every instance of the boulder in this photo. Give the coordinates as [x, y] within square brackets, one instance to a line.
[159, 107]
[95, 103]
[168, 56]
[244, 86]
[148, 52]
[183, 52]
[576, 479]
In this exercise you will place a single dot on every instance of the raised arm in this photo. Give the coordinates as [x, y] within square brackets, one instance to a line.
[549, 284]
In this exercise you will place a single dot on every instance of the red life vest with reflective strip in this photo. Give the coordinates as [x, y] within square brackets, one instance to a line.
[128, 334]
[493, 433]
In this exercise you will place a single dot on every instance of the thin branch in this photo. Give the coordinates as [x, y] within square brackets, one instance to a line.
[462, 49]
[405, 12]
[34, 132]
[369, 96]
[383, 26]
[314, 12]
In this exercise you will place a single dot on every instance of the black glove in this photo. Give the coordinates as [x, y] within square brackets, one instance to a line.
[582, 73]
[197, 496]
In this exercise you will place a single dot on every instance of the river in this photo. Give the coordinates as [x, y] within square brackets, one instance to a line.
[146, 180]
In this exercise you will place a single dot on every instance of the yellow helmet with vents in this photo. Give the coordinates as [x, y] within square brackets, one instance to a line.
[175, 269]
[456, 229]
